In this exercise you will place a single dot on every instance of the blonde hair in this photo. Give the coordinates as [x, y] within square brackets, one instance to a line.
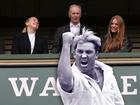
[24, 30]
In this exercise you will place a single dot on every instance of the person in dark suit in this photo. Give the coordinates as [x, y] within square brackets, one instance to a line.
[74, 26]
[29, 41]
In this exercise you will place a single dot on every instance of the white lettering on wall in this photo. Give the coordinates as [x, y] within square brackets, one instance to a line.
[23, 86]
[18, 90]
[127, 85]
[50, 85]
[50, 81]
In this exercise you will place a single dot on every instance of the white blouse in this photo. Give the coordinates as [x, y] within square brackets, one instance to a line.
[32, 41]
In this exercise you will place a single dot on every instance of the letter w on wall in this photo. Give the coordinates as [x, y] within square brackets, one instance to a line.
[24, 85]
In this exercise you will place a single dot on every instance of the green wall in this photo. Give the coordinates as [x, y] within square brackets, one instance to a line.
[40, 82]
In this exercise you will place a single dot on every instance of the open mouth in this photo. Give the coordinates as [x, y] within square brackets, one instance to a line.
[113, 29]
[84, 63]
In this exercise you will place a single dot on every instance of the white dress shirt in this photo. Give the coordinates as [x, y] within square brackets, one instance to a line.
[87, 92]
[32, 40]
[75, 28]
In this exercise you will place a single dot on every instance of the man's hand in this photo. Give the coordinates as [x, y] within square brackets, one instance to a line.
[68, 38]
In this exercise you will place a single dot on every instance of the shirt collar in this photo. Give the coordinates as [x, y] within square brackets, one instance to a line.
[72, 25]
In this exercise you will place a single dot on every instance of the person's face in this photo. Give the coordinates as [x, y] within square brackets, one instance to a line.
[85, 57]
[33, 23]
[114, 26]
[75, 14]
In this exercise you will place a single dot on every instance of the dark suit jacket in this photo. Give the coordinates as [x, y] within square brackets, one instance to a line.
[21, 44]
[57, 45]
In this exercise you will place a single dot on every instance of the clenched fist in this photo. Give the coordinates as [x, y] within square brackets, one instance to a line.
[68, 38]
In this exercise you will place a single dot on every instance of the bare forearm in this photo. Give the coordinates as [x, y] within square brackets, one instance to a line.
[64, 68]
